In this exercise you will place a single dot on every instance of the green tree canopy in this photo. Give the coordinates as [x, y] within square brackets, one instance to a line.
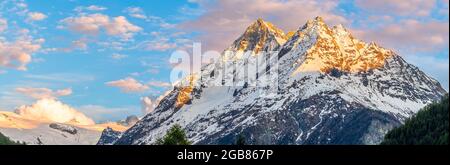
[6, 141]
[174, 136]
[240, 140]
[428, 127]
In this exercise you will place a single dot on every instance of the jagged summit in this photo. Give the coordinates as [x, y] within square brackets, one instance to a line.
[325, 49]
[259, 36]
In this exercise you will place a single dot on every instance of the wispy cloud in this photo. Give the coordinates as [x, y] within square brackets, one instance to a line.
[135, 12]
[41, 93]
[159, 84]
[118, 56]
[128, 85]
[90, 8]
[103, 114]
[61, 77]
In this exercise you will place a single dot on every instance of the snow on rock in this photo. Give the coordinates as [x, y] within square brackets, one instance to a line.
[109, 137]
[330, 89]
[53, 134]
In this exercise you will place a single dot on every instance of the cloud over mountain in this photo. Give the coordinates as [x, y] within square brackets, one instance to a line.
[51, 110]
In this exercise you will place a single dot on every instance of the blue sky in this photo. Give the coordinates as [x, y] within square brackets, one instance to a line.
[101, 57]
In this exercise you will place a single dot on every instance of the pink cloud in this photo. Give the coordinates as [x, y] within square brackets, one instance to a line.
[409, 35]
[41, 93]
[225, 20]
[399, 7]
[128, 85]
[92, 24]
[17, 54]
[36, 16]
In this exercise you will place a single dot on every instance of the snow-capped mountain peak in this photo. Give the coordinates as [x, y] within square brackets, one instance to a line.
[332, 89]
[259, 36]
[317, 48]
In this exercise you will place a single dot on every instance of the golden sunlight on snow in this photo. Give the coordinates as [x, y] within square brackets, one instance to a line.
[336, 48]
[46, 111]
[186, 88]
[51, 110]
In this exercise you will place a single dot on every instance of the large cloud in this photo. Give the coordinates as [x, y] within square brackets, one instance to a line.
[51, 110]
[224, 20]
[41, 93]
[128, 85]
[92, 24]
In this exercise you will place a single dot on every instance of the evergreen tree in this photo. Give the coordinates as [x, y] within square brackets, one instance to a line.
[429, 126]
[6, 141]
[174, 136]
[240, 140]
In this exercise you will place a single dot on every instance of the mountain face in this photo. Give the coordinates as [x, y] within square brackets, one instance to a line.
[109, 137]
[326, 87]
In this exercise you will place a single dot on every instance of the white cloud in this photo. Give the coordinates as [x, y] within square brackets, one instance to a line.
[51, 110]
[36, 16]
[128, 85]
[147, 105]
[41, 93]
[92, 24]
